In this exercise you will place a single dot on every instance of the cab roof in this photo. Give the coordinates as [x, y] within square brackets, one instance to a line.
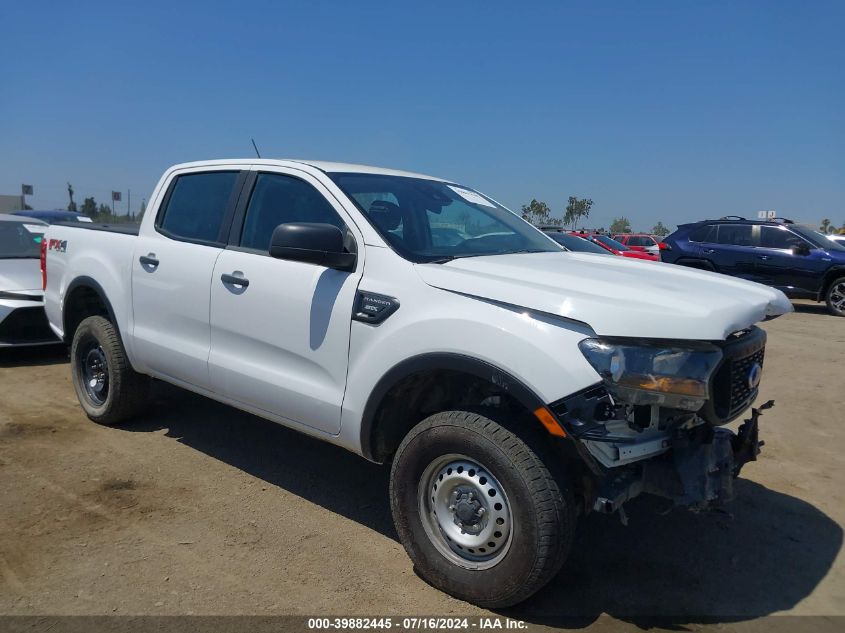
[324, 166]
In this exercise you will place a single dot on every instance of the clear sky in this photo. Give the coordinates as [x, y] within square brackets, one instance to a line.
[671, 111]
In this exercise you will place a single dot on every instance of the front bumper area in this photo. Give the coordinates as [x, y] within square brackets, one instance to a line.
[697, 472]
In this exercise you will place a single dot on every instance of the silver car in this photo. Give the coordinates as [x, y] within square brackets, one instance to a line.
[22, 318]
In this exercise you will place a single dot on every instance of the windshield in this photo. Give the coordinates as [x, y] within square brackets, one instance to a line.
[817, 239]
[617, 246]
[432, 221]
[20, 240]
[575, 243]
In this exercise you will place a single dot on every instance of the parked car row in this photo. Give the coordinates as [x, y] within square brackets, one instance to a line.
[575, 241]
[801, 262]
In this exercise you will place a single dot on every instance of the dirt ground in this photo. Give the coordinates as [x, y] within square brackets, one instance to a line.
[200, 509]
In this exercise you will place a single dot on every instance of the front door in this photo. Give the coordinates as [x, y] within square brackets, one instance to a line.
[280, 329]
[782, 263]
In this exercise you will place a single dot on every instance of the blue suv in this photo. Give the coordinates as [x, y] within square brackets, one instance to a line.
[801, 262]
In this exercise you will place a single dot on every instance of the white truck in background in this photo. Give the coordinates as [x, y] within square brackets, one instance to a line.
[419, 323]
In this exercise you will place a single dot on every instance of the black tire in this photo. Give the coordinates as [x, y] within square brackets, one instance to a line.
[835, 297]
[542, 509]
[109, 390]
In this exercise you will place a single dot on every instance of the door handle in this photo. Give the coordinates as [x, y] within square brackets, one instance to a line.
[763, 257]
[149, 260]
[234, 281]
[709, 251]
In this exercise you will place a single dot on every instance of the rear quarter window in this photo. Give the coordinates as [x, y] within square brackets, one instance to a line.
[706, 233]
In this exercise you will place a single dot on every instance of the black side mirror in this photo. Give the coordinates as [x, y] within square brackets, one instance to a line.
[320, 244]
[801, 249]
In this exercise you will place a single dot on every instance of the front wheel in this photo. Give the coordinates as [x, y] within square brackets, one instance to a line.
[109, 390]
[835, 298]
[478, 511]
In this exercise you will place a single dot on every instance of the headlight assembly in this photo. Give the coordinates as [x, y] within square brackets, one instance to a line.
[642, 372]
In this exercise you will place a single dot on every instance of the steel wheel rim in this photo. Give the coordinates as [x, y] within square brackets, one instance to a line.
[837, 296]
[465, 512]
[94, 369]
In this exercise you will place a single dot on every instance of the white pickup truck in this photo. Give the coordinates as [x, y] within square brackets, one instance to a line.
[512, 385]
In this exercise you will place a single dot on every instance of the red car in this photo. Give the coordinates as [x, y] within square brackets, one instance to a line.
[641, 242]
[618, 249]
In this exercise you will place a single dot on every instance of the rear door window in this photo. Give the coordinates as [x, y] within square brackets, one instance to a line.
[197, 206]
[735, 234]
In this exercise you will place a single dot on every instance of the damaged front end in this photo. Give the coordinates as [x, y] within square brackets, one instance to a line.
[654, 424]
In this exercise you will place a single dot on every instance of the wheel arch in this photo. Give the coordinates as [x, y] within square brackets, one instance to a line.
[85, 297]
[402, 390]
[832, 273]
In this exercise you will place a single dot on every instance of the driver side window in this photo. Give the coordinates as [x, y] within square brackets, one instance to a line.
[278, 199]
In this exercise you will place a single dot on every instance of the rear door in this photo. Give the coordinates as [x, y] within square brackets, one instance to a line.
[734, 252]
[171, 274]
[279, 328]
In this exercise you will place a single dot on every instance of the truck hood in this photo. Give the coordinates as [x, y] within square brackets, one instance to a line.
[615, 296]
[20, 274]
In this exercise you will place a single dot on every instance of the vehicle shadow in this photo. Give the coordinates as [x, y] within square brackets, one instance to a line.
[32, 356]
[278, 455]
[663, 569]
[682, 568]
[812, 308]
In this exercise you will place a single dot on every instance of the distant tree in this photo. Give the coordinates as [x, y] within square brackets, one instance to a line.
[89, 207]
[620, 225]
[26, 207]
[104, 213]
[141, 212]
[659, 230]
[538, 213]
[576, 209]
[826, 226]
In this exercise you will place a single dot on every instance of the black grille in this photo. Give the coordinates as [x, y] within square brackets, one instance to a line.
[25, 325]
[731, 389]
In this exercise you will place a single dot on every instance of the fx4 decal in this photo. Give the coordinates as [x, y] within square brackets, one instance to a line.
[57, 245]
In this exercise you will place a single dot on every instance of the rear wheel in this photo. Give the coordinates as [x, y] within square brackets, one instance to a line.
[109, 390]
[478, 511]
[835, 298]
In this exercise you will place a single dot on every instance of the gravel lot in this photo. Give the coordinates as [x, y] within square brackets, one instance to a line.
[200, 509]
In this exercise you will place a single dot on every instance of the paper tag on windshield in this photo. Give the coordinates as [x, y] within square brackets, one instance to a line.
[471, 196]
